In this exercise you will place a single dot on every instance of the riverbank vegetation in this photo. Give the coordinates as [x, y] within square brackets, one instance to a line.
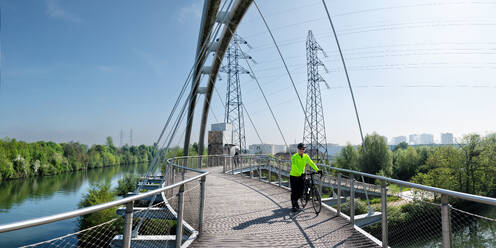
[19, 159]
[469, 166]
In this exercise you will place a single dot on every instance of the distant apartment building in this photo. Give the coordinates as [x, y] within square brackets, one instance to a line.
[398, 140]
[413, 139]
[425, 139]
[446, 138]
[266, 148]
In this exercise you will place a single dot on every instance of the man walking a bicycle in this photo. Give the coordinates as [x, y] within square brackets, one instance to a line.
[297, 175]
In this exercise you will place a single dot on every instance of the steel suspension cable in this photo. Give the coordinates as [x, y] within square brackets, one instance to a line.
[283, 61]
[346, 72]
[249, 117]
[265, 98]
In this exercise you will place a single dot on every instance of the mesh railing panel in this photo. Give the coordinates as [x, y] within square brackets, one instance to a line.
[154, 224]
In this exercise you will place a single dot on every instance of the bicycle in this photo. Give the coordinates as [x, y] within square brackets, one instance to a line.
[310, 192]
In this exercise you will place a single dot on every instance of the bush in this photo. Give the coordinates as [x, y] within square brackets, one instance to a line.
[127, 184]
[360, 207]
[98, 194]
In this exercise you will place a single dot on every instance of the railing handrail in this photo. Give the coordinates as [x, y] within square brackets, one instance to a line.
[88, 210]
[465, 196]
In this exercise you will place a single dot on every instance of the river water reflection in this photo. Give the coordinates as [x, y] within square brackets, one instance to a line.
[29, 198]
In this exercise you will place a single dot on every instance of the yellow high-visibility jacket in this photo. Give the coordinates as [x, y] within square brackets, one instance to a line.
[298, 164]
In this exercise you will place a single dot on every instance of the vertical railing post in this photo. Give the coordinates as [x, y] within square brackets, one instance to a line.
[320, 180]
[182, 173]
[339, 194]
[352, 201]
[251, 167]
[269, 166]
[384, 214]
[279, 168]
[128, 225]
[223, 165]
[446, 221]
[202, 203]
[259, 173]
[180, 213]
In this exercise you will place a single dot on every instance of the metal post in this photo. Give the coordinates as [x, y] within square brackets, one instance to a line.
[339, 195]
[320, 180]
[384, 214]
[279, 168]
[180, 213]
[128, 226]
[446, 221]
[223, 165]
[352, 201]
[251, 167]
[202, 203]
[259, 174]
[173, 179]
[269, 165]
[182, 174]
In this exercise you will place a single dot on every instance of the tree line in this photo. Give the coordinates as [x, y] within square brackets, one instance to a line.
[469, 166]
[19, 159]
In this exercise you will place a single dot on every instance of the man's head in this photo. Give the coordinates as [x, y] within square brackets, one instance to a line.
[301, 148]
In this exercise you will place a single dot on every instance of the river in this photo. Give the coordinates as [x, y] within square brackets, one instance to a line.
[29, 198]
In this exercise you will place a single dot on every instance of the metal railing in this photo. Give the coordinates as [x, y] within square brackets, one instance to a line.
[129, 203]
[341, 183]
[265, 166]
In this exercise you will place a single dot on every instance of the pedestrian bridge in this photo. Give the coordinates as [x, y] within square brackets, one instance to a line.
[223, 201]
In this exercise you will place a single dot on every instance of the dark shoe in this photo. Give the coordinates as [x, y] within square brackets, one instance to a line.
[295, 210]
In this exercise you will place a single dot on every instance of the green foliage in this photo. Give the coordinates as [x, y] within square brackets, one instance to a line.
[377, 158]
[360, 207]
[406, 162]
[400, 146]
[97, 194]
[19, 159]
[127, 184]
[348, 158]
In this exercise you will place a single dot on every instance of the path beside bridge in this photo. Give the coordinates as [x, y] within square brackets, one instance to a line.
[244, 212]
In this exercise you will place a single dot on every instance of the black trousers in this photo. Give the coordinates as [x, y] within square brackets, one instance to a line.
[297, 184]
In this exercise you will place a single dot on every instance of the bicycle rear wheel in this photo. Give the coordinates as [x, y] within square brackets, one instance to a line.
[316, 200]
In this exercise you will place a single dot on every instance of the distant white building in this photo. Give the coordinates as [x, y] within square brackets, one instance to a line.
[425, 139]
[446, 138]
[266, 148]
[397, 140]
[413, 139]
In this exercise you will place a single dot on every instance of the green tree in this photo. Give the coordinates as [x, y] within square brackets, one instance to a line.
[377, 158]
[348, 158]
[406, 162]
[402, 145]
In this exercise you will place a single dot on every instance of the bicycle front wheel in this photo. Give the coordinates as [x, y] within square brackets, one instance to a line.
[316, 200]
[303, 200]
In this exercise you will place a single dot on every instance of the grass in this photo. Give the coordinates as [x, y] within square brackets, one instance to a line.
[396, 188]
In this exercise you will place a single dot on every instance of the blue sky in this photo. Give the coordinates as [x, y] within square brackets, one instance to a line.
[84, 70]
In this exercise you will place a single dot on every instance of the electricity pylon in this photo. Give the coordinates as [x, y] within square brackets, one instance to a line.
[314, 134]
[234, 109]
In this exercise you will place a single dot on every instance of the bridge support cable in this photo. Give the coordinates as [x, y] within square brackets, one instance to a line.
[283, 61]
[210, 12]
[252, 124]
[203, 48]
[346, 72]
[267, 103]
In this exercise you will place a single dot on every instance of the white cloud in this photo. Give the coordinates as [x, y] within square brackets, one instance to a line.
[54, 10]
[192, 11]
